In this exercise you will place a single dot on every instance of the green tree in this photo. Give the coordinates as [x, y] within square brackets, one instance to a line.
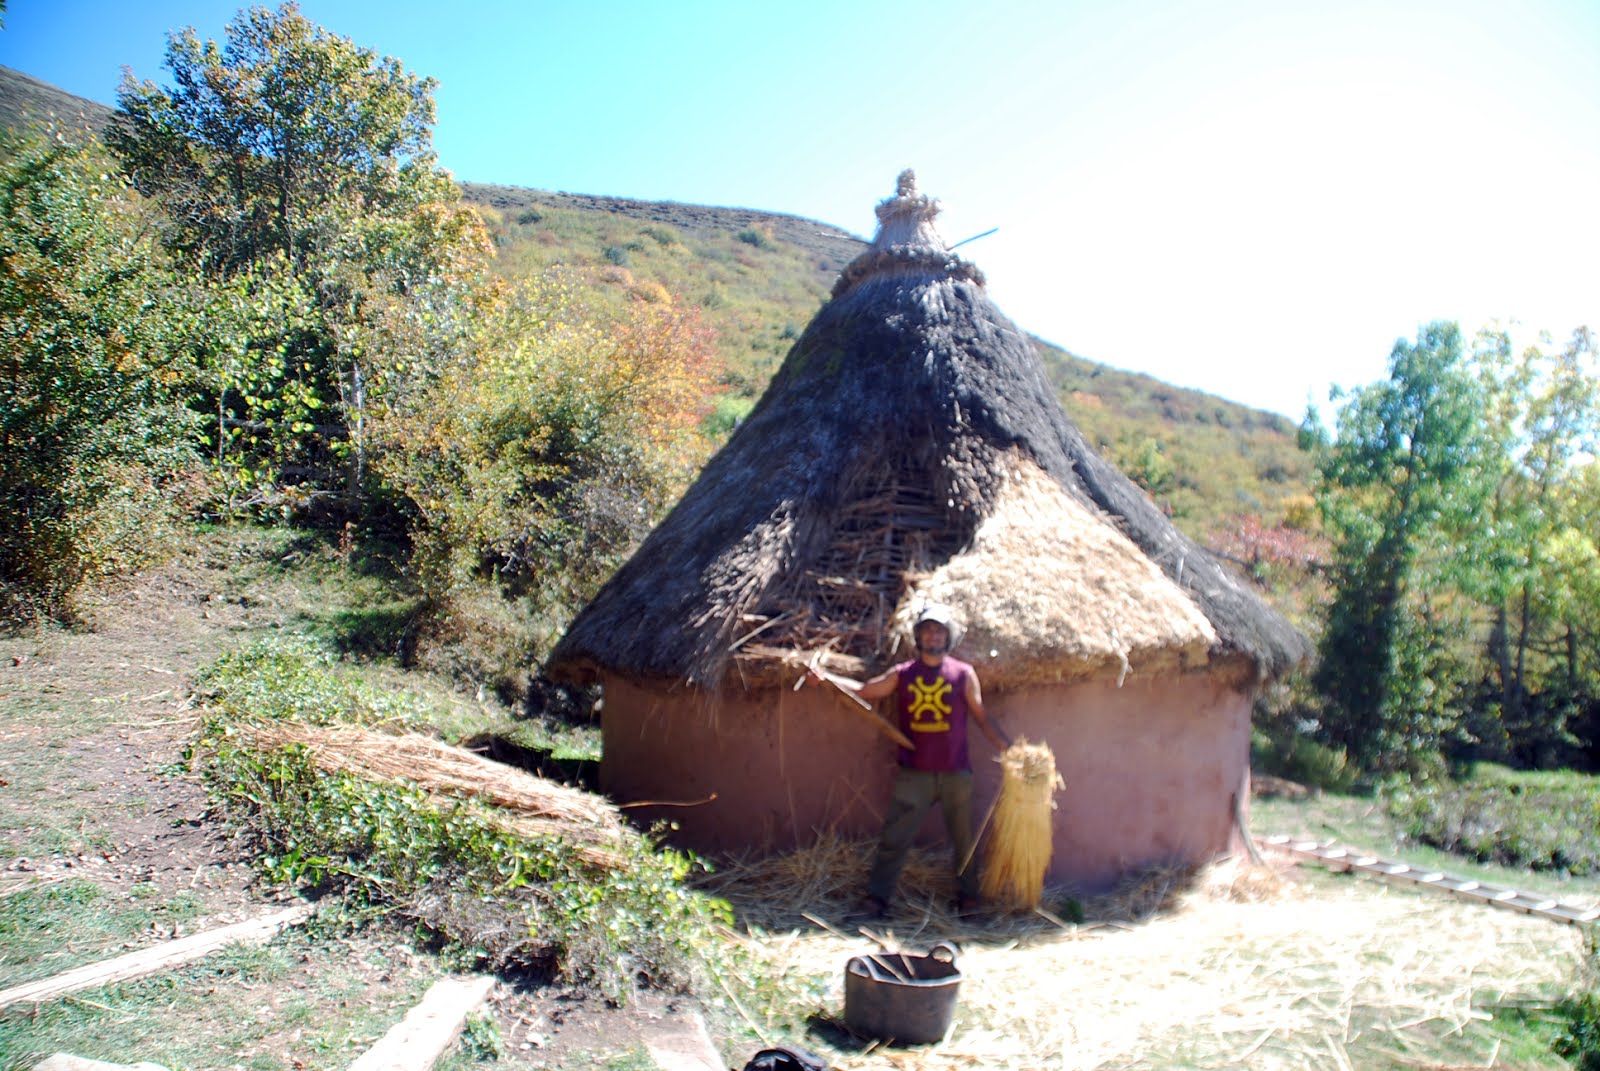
[1546, 415]
[1400, 489]
[282, 140]
[296, 169]
[94, 372]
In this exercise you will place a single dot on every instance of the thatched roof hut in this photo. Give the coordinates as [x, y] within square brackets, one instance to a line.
[909, 449]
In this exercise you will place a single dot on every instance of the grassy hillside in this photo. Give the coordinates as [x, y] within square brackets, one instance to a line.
[760, 277]
[1205, 458]
[24, 100]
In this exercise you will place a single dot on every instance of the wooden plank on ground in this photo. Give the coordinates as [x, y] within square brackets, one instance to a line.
[683, 1044]
[65, 1061]
[1346, 859]
[417, 1042]
[156, 958]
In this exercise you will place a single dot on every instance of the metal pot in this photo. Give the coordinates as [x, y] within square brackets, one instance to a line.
[900, 998]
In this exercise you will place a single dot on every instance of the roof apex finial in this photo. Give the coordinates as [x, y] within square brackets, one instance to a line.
[906, 219]
[907, 242]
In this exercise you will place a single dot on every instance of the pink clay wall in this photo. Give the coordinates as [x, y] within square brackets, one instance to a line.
[1151, 768]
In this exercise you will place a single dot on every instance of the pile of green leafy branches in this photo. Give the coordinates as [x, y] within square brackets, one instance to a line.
[456, 867]
[1527, 820]
[1579, 1039]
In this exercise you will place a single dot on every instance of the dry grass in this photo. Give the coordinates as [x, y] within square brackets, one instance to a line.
[1230, 966]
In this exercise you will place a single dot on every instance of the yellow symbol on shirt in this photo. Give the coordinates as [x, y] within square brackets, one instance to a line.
[930, 703]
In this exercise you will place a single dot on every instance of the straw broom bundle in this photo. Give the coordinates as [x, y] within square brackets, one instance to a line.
[1018, 852]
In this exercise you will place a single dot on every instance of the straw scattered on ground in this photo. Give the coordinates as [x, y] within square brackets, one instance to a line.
[1224, 967]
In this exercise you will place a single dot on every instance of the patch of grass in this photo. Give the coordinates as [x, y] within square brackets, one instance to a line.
[1542, 821]
[385, 630]
[1368, 822]
[292, 678]
[293, 1003]
[479, 1043]
[637, 1059]
[48, 929]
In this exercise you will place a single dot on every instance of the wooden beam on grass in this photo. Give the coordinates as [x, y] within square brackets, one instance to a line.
[418, 1041]
[156, 958]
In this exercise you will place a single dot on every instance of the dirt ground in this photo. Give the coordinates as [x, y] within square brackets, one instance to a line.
[93, 723]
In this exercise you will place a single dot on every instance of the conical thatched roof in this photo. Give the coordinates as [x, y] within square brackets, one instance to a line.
[910, 448]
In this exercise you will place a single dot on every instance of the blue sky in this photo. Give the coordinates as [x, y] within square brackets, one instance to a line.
[1251, 198]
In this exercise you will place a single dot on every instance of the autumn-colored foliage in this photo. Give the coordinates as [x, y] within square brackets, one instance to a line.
[1277, 547]
[537, 440]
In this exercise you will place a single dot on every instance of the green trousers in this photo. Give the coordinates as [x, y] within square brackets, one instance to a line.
[914, 792]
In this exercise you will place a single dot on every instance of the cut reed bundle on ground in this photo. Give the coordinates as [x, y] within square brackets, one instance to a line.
[1020, 833]
[532, 805]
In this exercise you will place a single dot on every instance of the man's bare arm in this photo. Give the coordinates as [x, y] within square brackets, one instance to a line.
[878, 687]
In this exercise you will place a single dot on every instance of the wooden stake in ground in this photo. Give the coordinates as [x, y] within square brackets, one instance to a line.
[1020, 834]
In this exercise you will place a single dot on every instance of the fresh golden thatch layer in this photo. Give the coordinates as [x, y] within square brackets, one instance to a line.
[1055, 592]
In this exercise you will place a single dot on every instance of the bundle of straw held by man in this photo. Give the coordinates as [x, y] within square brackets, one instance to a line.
[1018, 849]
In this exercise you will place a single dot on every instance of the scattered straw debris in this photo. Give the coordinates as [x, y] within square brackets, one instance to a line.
[1222, 967]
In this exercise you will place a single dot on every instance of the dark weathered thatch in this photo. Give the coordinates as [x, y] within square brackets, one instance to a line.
[910, 446]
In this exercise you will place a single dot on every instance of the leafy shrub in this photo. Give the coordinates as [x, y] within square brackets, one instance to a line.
[650, 292]
[664, 236]
[94, 364]
[757, 238]
[454, 866]
[1538, 823]
[1297, 757]
[617, 255]
[1579, 1039]
[534, 441]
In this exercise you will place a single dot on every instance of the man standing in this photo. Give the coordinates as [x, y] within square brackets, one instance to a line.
[935, 694]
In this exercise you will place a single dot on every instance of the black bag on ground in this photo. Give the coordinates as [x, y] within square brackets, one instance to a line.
[785, 1059]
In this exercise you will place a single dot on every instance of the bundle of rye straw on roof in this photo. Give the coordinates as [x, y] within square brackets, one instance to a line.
[1018, 851]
